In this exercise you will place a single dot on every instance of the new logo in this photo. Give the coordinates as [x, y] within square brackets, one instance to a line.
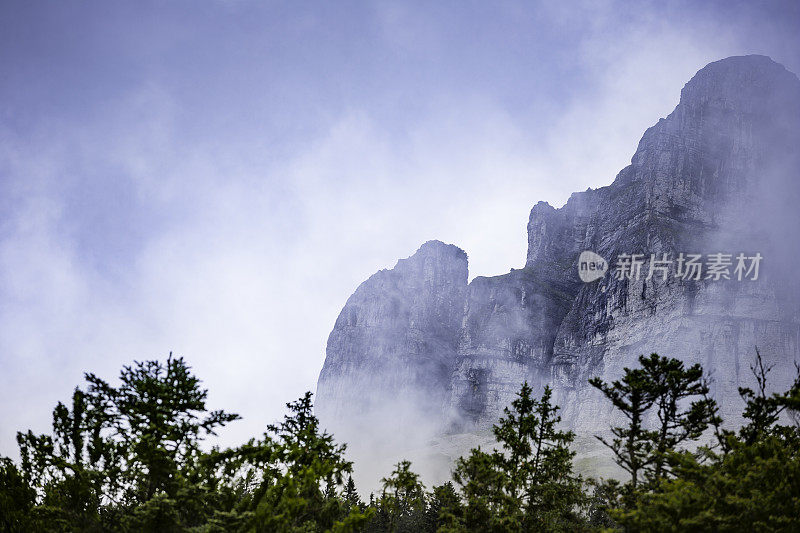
[591, 266]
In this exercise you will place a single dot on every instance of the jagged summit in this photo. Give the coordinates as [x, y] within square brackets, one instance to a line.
[437, 246]
[436, 251]
[395, 337]
[718, 175]
[739, 82]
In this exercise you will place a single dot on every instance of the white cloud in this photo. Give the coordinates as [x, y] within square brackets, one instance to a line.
[242, 257]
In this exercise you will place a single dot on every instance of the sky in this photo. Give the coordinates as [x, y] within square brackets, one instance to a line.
[215, 178]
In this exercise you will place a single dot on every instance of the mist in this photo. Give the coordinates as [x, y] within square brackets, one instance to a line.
[216, 180]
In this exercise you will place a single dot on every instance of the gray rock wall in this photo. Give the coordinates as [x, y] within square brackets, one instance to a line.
[394, 343]
[719, 174]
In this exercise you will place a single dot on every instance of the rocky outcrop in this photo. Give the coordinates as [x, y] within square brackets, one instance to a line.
[393, 346]
[718, 175]
[509, 329]
[703, 180]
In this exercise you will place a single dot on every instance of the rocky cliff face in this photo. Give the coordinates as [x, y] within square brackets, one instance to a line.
[391, 352]
[720, 174]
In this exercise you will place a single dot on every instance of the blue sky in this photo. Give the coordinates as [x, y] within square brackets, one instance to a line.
[216, 178]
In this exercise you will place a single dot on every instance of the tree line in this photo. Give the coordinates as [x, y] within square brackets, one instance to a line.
[129, 458]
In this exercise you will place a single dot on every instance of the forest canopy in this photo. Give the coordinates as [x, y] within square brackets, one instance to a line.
[129, 457]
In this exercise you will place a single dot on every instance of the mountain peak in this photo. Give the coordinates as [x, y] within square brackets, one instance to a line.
[438, 247]
[418, 344]
[740, 82]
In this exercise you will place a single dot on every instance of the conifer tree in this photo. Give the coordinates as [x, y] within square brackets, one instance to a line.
[751, 486]
[351, 494]
[662, 384]
[402, 500]
[116, 448]
[632, 444]
[17, 499]
[444, 508]
[672, 383]
[528, 483]
[304, 492]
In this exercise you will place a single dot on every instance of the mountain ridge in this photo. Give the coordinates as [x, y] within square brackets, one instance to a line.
[718, 174]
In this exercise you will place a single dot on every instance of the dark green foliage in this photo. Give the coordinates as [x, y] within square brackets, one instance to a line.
[444, 508]
[607, 496]
[401, 506]
[17, 499]
[76, 467]
[350, 495]
[672, 383]
[302, 487]
[762, 410]
[124, 456]
[160, 416]
[483, 491]
[661, 384]
[753, 485]
[528, 484]
[129, 458]
[632, 444]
